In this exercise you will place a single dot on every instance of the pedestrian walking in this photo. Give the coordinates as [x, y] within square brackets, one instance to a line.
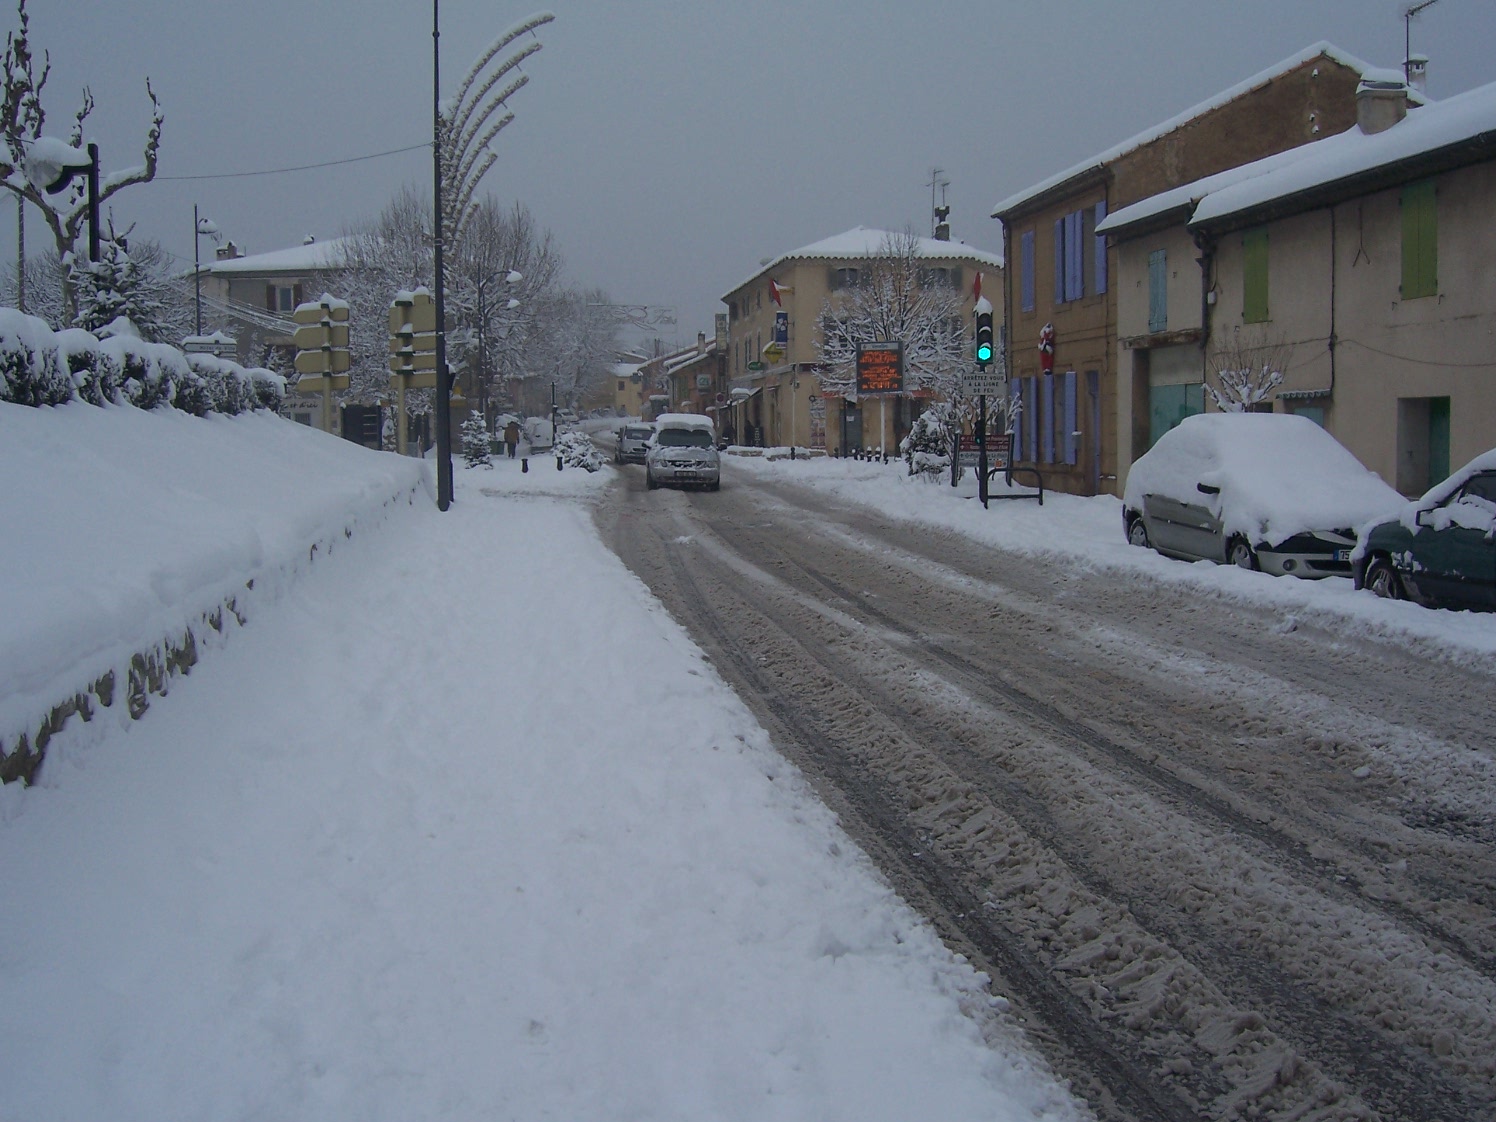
[511, 437]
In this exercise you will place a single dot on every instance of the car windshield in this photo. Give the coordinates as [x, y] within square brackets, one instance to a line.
[637, 433]
[684, 438]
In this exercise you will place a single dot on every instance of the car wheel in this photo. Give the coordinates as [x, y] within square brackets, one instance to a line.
[1383, 580]
[1137, 533]
[1240, 554]
[649, 479]
[717, 486]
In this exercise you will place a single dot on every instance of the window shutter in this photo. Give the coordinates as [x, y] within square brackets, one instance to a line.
[1070, 417]
[1075, 256]
[1059, 260]
[1420, 253]
[1031, 416]
[1015, 407]
[1046, 418]
[1100, 249]
[1254, 276]
[1158, 291]
[270, 298]
[1026, 267]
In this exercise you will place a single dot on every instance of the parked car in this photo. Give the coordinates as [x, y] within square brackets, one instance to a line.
[633, 443]
[1441, 549]
[539, 434]
[1269, 491]
[683, 452]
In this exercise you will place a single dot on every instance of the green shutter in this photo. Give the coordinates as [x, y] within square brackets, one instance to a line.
[1420, 247]
[1254, 275]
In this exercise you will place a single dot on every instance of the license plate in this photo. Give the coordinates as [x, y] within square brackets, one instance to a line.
[1342, 555]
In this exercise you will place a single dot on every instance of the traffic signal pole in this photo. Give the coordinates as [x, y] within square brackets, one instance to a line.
[443, 375]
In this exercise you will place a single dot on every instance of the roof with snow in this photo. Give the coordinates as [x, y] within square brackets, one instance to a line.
[308, 258]
[1348, 163]
[1224, 97]
[863, 241]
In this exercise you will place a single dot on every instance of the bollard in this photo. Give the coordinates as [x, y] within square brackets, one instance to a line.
[558, 463]
[524, 465]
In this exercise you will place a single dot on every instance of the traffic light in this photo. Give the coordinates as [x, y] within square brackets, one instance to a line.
[984, 339]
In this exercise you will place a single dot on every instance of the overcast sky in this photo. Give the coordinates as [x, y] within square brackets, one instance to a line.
[671, 145]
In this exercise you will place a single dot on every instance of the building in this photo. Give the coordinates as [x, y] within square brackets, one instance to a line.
[1078, 422]
[1358, 268]
[772, 358]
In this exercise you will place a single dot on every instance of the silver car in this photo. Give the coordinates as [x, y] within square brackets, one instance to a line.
[683, 453]
[633, 442]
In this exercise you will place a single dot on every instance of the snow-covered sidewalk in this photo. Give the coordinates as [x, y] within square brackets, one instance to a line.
[458, 825]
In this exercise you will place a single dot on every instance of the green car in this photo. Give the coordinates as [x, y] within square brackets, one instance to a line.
[1441, 551]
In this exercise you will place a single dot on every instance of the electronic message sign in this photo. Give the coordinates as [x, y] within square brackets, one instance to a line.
[880, 368]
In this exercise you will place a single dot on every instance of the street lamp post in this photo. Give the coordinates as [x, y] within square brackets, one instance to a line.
[200, 227]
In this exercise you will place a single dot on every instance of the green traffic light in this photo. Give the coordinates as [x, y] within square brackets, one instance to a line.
[984, 353]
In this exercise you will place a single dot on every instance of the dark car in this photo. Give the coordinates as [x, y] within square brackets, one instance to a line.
[1441, 551]
[1268, 491]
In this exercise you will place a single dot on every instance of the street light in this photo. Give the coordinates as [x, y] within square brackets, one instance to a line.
[51, 165]
[201, 227]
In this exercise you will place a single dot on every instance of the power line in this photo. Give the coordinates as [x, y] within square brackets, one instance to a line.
[302, 167]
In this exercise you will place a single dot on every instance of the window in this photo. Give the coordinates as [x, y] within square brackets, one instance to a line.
[1420, 241]
[1026, 268]
[1158, 290]
[940, 276]
[845, 277]
[282, 298]
[1254, 275]
[1070, 257]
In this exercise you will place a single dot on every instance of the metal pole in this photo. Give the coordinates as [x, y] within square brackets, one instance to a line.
[197, 268]
[93, 203]
[982, 447]
[443, 375]
[21, 254]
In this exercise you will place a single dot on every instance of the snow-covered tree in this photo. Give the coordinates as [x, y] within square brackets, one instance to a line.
[22, 118]
[1248, 370]
[475, 441]
[927, 448]
[573, 346]
[893, 301]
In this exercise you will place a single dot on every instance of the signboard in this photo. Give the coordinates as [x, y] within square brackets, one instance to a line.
[773, 352]
[880, 368]
[782, 328]
[999, 447]
[992, 382]
[416, 380]
[317, 383]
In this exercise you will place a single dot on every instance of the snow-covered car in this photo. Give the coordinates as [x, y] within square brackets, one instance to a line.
[683, 452]
[539, 434]
[1269, 491]
[1441, 549]
[633, 442]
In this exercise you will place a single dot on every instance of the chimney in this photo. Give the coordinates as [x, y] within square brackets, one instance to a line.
[228, 252]
[1381, 100]
[1416, 70]
[701, 342]
[942, 224]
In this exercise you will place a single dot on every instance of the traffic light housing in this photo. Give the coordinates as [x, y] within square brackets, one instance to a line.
[984, 339]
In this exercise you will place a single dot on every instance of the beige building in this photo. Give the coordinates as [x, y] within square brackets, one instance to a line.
[1083, 418]
[1358, 268]
[775, 397]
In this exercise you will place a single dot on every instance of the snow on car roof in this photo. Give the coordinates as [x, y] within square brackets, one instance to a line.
[685, 421]
[1279, 475]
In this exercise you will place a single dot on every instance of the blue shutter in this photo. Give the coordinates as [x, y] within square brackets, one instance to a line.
[1100, 249]
[1015, 399]
[1026, 266]
[1059, 260]
[1046, 418]
[1075, 250]
[1070, 417]
[1031, 416]
[1158, 291]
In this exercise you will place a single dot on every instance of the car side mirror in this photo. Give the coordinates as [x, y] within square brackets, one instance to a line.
[1423, 517]
[1207, 489]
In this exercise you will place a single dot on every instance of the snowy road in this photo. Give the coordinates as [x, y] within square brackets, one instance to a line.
[1227, 862]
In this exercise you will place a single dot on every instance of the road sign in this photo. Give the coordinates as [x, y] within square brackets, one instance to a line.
[417, 380]
[773, 352]
[992, 382]
[314, 336]
[317, 383]
[324, 360]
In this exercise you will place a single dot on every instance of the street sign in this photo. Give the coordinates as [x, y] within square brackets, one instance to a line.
[322, 361]
[417, 380]
[880, 368]
[413, 312]
[313, 336]
[992, 382]
[317, 383]
[773, 352]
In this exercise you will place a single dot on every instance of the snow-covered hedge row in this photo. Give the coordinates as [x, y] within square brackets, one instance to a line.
[39, 366]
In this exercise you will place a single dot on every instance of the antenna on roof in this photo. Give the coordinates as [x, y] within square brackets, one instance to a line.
[939, 212]
[1408, 13]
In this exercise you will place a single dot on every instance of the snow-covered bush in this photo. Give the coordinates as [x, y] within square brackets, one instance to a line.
[41, 367]
[577, 450]
[927, 448]
[475, 441]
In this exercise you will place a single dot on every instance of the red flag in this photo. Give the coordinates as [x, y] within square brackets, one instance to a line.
[774, 292]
